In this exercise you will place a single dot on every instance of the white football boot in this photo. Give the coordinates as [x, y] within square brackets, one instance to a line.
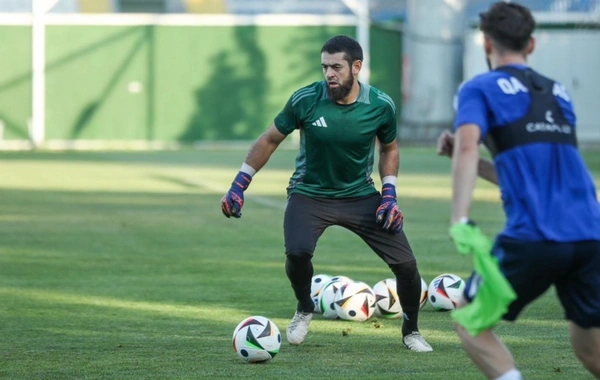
[298, 328]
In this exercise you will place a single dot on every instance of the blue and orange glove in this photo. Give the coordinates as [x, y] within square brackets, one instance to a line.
[388, 213]
[232, 202]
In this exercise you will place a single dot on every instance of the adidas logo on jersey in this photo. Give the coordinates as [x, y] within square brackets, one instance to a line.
[320, 122]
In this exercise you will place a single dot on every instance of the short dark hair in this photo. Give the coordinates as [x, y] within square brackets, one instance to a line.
[344, 44]
[510, 25]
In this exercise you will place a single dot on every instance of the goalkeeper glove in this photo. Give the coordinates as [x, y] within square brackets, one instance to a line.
[232, 202]
[469, 239]
[388, 213]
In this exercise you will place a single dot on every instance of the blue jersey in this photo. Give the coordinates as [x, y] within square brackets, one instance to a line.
[527, 122]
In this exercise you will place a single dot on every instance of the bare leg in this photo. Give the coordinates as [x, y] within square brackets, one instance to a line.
[586, 344]
[487, 352]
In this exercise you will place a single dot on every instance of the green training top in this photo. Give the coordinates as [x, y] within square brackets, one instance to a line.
[337, 142]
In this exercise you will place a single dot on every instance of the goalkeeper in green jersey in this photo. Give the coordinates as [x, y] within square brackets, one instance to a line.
[340, 120]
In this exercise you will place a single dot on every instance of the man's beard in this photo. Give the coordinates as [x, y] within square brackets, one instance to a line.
[338, 93]
[489, 63]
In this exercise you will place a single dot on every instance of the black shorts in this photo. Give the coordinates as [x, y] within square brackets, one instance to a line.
[306, 218]
[573, 268]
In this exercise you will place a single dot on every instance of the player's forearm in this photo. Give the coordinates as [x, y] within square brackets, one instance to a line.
[487, 171]
[389, 161]
[485, 168]
[263, 148]
[464, 174]
[260, 152]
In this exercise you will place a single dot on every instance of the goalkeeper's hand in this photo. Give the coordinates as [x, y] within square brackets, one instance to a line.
[469, 239]
[388, 213]
[232, 202]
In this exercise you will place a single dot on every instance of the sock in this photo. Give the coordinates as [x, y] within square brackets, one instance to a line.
[513, 374]
[408, 286]
[299, 269]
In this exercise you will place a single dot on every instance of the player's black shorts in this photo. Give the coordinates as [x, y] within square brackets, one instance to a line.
[306, 218]
[573, 268]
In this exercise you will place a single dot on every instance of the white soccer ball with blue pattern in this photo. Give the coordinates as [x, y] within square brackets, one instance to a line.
[424, 293]
[341, 278]
[355, 301]
[316, 286]
[256, 339]
[327, 297]
[446, 292]
[387, 302]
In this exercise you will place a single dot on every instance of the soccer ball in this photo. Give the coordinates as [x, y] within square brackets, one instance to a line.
[446, 291]
[355, 301]
[316, 286]
[256, 339]
[341, 278]
[387, 303]
[424, 293]
[327, 298]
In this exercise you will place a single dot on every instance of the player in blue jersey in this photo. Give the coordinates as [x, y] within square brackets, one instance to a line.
[552, 231]
[340, 120]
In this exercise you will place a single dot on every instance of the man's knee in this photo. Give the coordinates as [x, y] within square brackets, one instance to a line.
[299, 256]
[406, 270]
[590, 361]
[589, 358]
[586, 344]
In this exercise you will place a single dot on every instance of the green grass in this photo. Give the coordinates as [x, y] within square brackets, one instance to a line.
[120, 266]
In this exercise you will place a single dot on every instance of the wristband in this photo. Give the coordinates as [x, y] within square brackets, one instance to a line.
[391, 179]
[248, 169]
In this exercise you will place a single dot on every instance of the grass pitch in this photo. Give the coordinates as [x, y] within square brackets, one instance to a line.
[121, 266]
